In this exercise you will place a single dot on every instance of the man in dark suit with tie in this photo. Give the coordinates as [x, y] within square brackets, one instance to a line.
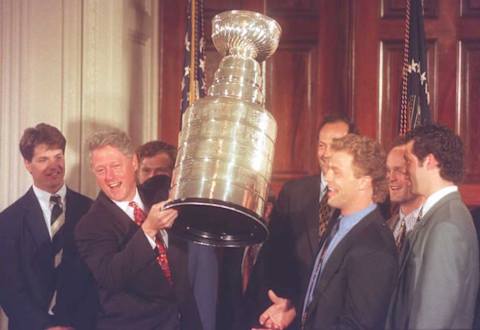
[439, 262]
[355, 268]
[43, 282]
[300, 218]
[140, 269]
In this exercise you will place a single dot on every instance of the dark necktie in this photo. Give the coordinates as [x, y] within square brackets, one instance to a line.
[162, 259]
[250, 255]
[401, 235]
[400, 240]
[317, 269]
[323, 214]
[57, 219]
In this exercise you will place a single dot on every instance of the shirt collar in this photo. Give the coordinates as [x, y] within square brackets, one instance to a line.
[124, 204]
[44, 196]
[414, 213]
[323, 181]
[348, 221]
[436, 197]
[323, 185]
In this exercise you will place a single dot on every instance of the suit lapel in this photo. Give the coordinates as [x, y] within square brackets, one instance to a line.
[71, 206]
[311, 223]
[413, 235]
[122, 220]
[311, 220]
[129, 227]
[35, 219]
[392, 222]
[338, 254]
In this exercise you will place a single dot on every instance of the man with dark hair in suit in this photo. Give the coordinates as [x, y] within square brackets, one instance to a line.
[140, 269]
[439, 265]
[356, 265]
[155, 160]
[43, 282]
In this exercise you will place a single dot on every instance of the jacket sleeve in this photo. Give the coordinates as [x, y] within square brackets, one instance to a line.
[15, 296]
[114, 264]
[369, 289]
[440, 279]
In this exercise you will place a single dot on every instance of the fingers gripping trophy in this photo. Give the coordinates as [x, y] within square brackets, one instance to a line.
[226, 146]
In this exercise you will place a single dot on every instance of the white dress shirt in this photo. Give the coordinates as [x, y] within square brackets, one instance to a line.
[436, 196]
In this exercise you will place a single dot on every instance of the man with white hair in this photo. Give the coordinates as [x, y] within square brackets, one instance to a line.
[140, 270]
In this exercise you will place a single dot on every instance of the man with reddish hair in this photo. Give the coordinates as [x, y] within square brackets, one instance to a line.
[347, 288]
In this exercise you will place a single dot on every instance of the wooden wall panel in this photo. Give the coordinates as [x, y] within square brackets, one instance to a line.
[172, 36]
[469, 78]
[292, 6]
[391, 58]
[470, 8]
[293, 111]
[344, 57]
[396, 8]
[452, 73]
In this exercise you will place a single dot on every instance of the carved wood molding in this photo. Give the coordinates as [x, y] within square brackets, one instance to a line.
[396, 9]
[469, 8]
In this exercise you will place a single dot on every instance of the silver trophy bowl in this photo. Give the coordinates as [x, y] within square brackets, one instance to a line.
[225, 151]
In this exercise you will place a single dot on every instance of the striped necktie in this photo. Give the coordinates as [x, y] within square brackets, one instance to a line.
[323, 214]
[57, 219]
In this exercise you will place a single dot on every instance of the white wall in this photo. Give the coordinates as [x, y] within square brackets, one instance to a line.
[78, 65]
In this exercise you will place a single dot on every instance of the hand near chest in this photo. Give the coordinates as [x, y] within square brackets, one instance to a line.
[158, 218]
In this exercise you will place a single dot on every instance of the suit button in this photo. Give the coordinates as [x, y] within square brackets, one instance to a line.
[179, 316]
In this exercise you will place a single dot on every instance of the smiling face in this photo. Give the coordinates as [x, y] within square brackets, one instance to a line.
[416, 170]
[344, 189]
[114, 173]
[326, 135]
[47, 168]
[399, 184]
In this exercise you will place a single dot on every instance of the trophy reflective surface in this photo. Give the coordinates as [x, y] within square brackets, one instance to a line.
[225, 149]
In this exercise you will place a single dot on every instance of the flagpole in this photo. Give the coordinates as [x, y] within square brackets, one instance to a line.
[403, 100]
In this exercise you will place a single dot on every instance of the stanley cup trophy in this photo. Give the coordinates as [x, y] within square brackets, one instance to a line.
[225, 154]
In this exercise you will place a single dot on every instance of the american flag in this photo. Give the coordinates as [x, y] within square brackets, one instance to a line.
[193, 81]
[415, 99]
